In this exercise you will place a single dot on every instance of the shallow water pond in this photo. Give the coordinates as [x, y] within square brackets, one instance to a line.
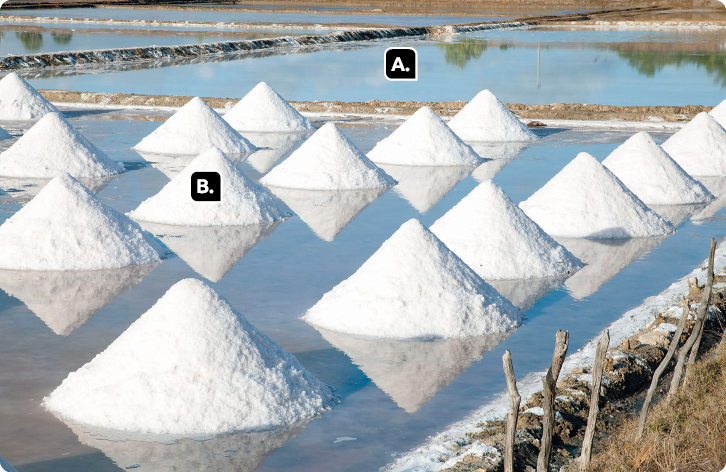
[394, 394]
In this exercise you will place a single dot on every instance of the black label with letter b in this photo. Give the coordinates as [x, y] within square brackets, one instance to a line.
[401, 64]
[206, 187]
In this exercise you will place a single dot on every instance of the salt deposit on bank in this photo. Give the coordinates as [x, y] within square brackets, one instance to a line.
[5, 466]
[414, 287]
[65, 227]
[485, 118]
[700, 147]
[192, 130]
[190, 365]
[650, 173]
[327, 161]
[424, 140]
[496, 239]
[20, 101]
[586, 200]
[243, 202]
[264, 110]
[53, 146]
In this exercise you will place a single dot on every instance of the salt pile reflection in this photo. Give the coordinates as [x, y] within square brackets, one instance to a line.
[275, 147]
[525, 293]
[423, 187]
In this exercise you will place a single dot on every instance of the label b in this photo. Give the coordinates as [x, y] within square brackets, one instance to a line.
[206, 187]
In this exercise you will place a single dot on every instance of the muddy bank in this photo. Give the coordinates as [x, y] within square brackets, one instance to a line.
[557, 111]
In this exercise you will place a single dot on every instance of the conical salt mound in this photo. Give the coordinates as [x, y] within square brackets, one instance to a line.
[327, 161]
[424, 140]
[719, 113]
[496, 239]
[190, 365]
[586, 200]
[414, 287]
[485, 118]
[5, 467]
[243, 201]
[192, 130]
[650, 173]
[20, 101]
[51, 147]
[264, 110]
[700, 147]
[66, 227]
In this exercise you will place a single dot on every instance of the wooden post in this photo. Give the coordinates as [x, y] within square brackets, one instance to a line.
[662, 366]
[514, 400]
[602, 349]
[701, 315]
[548, 402]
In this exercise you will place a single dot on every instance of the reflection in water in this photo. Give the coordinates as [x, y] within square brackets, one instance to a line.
[412, 372]
[212, 251]
[489, 169]
[459, 53]
[65, 300]
[31, 41]
[605, 258]
[648, 58]
[525, 293]
[238, 452]
[23, 190]
[173, 164]
[492, 150]
[423, 187]
[715, 185]
[677, 214]
[327, 213]
[280, 145]
[62, 38]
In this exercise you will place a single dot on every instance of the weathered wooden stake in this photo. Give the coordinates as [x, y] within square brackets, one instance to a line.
[513, 416]
[602, 349]
[548, 403]
[662, 366]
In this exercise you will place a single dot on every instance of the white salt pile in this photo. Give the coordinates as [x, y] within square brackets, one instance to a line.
[192, 130]
[190, 365]
[650, 173]
[485, 118]
[327, 161]
[264, 110]
[20, 101]
[719, 113]
[53, 146]
[5, 466]
[65, 227]
[424, 186]
[243, 202]
[496, 239]
[414, 287]
[424, 140]
[586, 200]
[700, 147]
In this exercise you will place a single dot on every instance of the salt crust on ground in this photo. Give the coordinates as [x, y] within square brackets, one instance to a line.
[496, 239]
[66, 227]
[424, 140]
[414, 287]
[586, 200]
[190, 365]
[192, 130]
[652, 175]
[447, 448]
[53, 146]
[700, 147]
[5, 467]
[719, 113]
[243, 201]
[327, 161]
[485, 118]
[264, 110]
[20, 101]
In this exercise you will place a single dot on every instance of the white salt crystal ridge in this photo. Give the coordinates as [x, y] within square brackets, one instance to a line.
[424, 140]
[498, 241]
[414, 287]
[264, 110]
[243, 201]
[719, 113]
[700, 147]
[652, 175]
[327, 161]
[485, 118]
[53, 146]
[192, 130]
[190, 365]
[586, 200]
[66, 227]
[20, 101]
